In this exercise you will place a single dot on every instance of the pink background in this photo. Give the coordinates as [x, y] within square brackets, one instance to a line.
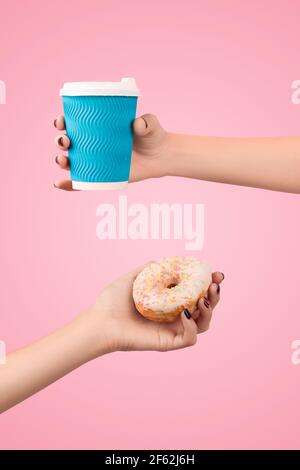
[215, 68]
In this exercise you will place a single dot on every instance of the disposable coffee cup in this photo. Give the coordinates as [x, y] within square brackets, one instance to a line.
[98, 118]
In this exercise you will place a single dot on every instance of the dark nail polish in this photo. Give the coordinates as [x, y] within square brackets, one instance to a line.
[223, 275]
[218, 289]
[187, 313]
[206, 302]
[146, 123]
[55, 122]
[56, 159]
[61, 141]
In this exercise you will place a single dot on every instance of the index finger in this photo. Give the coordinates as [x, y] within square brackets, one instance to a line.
[59, 122]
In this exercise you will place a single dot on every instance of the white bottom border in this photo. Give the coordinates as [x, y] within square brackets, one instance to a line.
[99, 186]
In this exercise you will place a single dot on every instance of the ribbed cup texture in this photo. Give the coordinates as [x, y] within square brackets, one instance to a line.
[100, 130]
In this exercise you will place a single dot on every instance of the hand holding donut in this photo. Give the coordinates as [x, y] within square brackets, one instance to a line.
[111, 324]
[126, 329]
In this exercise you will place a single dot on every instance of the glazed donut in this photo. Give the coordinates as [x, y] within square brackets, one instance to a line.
[161, 291]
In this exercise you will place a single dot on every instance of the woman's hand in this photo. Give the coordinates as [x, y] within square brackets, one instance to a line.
[263, 162]
[111, 324]
[126, 329]
[150, 150]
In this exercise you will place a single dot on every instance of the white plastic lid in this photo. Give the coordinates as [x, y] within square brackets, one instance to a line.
[126, 87]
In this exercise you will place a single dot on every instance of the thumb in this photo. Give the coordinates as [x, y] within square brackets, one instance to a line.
[133, 274]
[145, 124]
[189, 335]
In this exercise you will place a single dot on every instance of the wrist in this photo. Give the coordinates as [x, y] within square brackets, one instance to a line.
[167, 155]
[173, 155]
[92, 334]
[193, 156]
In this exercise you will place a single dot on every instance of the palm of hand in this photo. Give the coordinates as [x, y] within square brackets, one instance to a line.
[131, 330]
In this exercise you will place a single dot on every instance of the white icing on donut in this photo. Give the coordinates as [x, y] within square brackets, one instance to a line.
[153, 288]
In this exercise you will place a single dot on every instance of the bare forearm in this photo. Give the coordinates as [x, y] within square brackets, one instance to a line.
[270, 163]
[32, 368]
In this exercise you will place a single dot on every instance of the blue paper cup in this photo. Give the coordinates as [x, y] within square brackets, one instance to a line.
[98, 117]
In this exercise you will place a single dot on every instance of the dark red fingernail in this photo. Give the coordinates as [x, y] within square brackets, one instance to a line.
[187, 313]
[55, 122]
[146, 123]
[56, 160]
[218, 288]
[61, 141]
[206, 302]
[223, 275]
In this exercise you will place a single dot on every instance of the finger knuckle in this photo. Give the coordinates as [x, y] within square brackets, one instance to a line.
[203, 329]
[192, 340]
